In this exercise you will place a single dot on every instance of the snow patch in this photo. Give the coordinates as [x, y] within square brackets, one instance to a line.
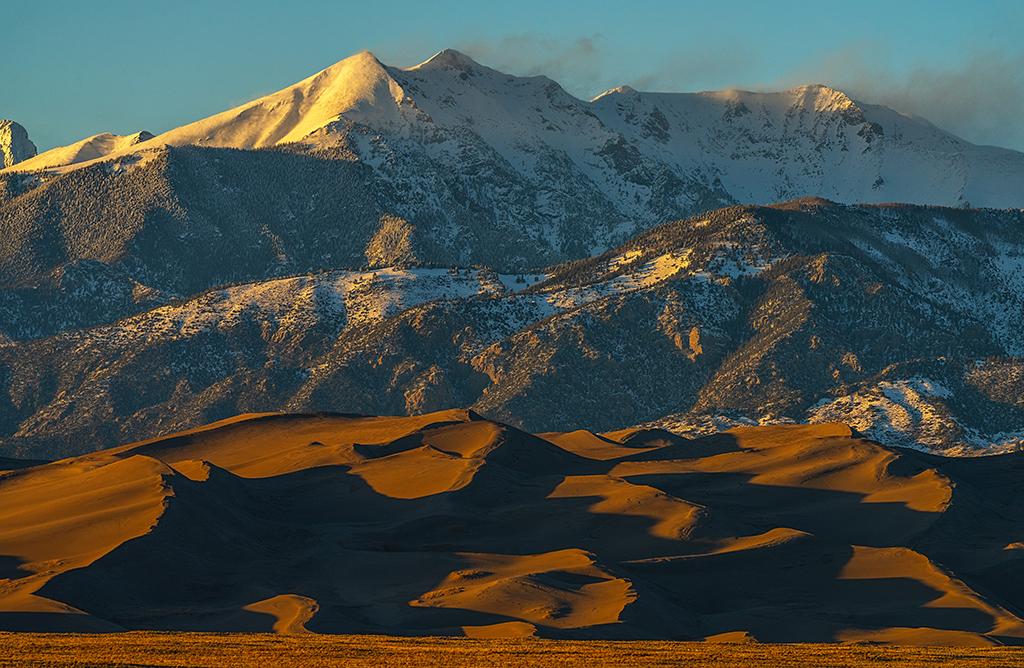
[911, 413]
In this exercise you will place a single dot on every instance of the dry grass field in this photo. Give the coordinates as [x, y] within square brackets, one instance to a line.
[264, 650]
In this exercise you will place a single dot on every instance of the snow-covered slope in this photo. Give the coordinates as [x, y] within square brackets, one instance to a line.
[913, 412]
[348, 298]
[356, 87]
[812, 140]
[15, 146]
[90, 148]
[654, 155]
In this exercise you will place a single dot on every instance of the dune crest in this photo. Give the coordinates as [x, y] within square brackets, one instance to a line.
[290, 611]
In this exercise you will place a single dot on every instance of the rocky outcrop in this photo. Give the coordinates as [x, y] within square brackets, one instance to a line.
[15, 146]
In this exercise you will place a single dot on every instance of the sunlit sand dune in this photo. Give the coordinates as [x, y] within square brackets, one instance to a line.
[451, 524]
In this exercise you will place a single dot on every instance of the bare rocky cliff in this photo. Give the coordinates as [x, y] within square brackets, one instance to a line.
[15, 146]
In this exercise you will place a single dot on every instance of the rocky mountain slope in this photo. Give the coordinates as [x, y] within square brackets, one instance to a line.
[92, 246]
[449, 524]
[903, 321]
[15, 146]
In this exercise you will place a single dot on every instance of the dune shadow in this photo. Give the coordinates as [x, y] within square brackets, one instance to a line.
[54, 622]
[10, 568]
[228, 542]
[830, 514]
[887, 602]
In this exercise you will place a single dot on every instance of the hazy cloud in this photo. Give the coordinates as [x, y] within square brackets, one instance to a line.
[695, 69]
[584, 68]
[577, 65]
[981, 99]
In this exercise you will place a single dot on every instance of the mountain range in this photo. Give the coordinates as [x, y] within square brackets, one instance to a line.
[385, 239]
[651, 154]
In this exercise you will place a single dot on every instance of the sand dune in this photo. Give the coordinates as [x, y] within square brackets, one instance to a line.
[450, 524]
[292, 612]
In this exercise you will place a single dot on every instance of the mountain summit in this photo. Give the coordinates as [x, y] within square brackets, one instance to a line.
[448, 58]
[348, 88]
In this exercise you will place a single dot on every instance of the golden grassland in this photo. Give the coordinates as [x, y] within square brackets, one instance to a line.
[264, 650]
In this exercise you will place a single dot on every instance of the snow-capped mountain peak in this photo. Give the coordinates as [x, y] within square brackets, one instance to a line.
[447, 58]
[617, 90]
[353, 85]
[821, 97]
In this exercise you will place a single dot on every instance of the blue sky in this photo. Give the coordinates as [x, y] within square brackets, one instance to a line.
[71, 69]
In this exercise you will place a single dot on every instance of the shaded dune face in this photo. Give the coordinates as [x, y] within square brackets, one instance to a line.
[450, 524]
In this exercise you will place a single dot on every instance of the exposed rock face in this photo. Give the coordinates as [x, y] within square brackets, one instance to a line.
[392, 244]
[15, 146]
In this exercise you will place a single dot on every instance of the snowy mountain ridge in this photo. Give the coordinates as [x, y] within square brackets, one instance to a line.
[91, 148]
[650, 153]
